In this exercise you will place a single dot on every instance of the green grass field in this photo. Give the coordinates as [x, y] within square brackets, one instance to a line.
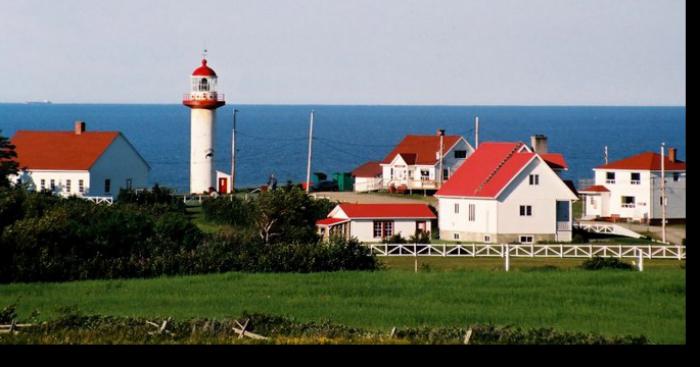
[453, 293]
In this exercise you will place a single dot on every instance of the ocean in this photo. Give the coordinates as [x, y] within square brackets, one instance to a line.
[273, 138]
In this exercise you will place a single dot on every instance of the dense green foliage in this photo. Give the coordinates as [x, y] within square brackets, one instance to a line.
[146, 234]
[573, 300]
[598, 263]
[72, 327]
[8, 161]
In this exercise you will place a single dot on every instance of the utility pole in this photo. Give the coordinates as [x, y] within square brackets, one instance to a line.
[605, 154]
[233, 153]
[476, 132]
[663, 195]
[308, 161]
[440, 174]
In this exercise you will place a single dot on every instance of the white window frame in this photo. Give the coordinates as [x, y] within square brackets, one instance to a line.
[472, 212]
[456, 208]
[455, 236]
[527, 213]
[627, 205]
[534, 180]
[609, 180]
[531, 241]
[633, 181]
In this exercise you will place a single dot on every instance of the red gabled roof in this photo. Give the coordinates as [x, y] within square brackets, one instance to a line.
[204, 70]
[423, 147]
[555, 160]
[595, 188]
[61, 150]
[649, 161]
[369, 169]
[355, 211]
[330, 221]
[487, 171]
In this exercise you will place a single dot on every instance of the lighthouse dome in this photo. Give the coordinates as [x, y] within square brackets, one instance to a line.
[204, 70]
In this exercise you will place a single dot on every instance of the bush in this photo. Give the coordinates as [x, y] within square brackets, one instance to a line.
[598, 263]
[394, 239]
[420, 237]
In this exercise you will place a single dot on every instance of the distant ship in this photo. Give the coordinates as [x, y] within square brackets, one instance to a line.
[46, 101]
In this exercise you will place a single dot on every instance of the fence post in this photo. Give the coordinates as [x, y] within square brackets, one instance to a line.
[415, 258]
[640, 259]
[507, 256]
[679, 252]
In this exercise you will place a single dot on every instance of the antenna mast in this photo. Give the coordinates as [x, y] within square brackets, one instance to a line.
[308, 161]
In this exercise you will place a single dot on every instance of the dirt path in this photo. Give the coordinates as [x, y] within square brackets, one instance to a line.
[373, 198]
[674, 233]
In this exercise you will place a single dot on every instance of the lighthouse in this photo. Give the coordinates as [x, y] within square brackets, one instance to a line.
[203, 100]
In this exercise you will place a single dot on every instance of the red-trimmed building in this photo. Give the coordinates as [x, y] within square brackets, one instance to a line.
[414, 163]
[375, 222]
[506, 192]
[630, 189]
[78, 162]
[368, 177]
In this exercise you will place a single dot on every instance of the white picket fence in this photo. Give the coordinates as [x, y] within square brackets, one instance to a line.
[533, 250]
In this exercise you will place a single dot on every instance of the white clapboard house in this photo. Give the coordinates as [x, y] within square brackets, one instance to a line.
[414, 163]
[506, 193]
[376, 222]
[78, 162]
[630, 189]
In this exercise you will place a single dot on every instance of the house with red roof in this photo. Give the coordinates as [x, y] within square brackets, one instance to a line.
[630, 189]
[375, 222]
[505, 192]
[414, 164]
[78, 162]
[368, 177]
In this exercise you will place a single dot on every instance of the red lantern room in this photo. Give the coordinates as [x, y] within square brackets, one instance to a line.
[203, 93]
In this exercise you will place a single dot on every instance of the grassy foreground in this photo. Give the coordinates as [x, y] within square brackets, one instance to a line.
[611, 303]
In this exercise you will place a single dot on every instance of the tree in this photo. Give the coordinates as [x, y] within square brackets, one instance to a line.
[8, 161]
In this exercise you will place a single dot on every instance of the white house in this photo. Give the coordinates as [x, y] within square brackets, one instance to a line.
[505, 192]
[375, 222]
[415, 162]
[630, 189]
[79, 162]
[368, 177]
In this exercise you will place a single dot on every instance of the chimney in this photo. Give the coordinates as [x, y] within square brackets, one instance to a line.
[539, 144]
[440, 132]
[79, 127]
[672, 154]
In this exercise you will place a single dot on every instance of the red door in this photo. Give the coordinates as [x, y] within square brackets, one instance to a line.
[223, 185]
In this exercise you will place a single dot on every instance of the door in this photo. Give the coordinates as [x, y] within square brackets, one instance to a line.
[563, 223]
[223, 185]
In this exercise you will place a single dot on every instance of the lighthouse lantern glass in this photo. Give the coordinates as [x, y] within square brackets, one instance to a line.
[203, 87]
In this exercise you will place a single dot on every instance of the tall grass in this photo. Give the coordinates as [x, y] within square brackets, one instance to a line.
[611, 303]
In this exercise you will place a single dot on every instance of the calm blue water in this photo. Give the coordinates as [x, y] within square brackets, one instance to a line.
[273, 138]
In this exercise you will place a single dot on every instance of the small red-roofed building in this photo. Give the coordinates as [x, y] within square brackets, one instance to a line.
[415, 161]
[79, 162]
[368, 177]
[630, 189]
[504, 193]
[375, 222]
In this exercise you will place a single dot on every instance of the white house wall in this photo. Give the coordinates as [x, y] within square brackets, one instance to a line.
[34, 177]
[363, 229]
[450, 222]
[675, 196]
[118, 163]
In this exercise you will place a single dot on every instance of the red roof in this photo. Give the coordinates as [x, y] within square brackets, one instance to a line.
[330, 221]
[487, 171]
[354, 211]
[61, 150]
[204, 70]
[595, 188]
[421, 149]
[649, 161]
[555, 160]
[369, 169]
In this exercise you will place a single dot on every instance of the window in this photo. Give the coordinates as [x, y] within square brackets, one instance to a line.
[129, 183]
[203, 85]
[43, 184]
[445, 174]
[67, 185]
[456, 208]
[455, 236]
[383, 229]
[593, 202]
[610, 177]
[526, 239]
[108, 185]
[460, 154]
[628, 201]
[635, 178]
[472, 212]
[81, 188]
[53, 185]
[424, 175]
[487, 238]
[534, 179]
[391, 173]
[676, 176]
[526, 210]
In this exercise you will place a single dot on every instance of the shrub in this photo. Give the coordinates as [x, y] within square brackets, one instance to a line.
[420, 237]
[396, 238]
[598, 263]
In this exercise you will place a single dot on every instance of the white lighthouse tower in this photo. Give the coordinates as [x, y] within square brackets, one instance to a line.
[203, 100]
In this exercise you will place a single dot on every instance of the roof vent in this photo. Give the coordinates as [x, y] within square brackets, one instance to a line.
[79, 127]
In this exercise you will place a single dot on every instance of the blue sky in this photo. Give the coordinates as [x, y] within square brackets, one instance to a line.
[498, 52]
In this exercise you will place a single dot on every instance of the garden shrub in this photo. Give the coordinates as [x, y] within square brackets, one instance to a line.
[598, 263]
